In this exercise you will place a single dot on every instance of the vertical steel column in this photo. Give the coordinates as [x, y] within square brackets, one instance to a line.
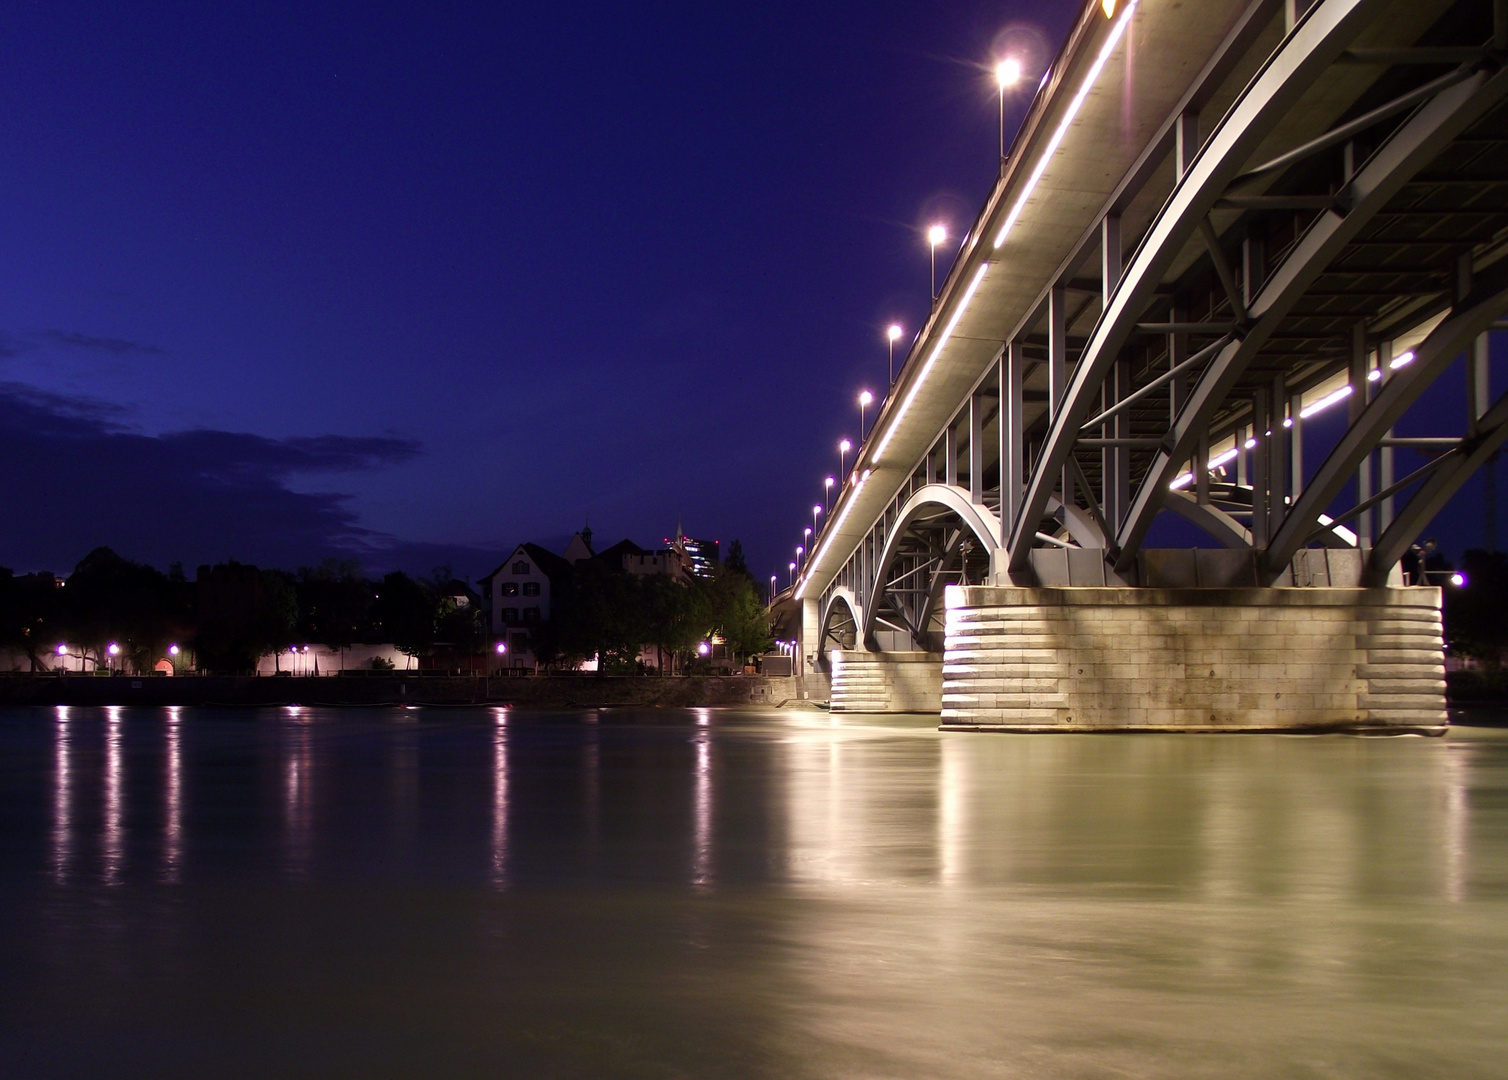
[1240, 445]
[1178, 345]
[976, 448]
[1012, 437]
[1296, 446]
[932, 464]
[1185, 143]
[1118, 475]
[1057, 365]
[1110, 256]
[1202, 469]
[1260, 476]
[1358, 402]
[1277, 455]
[1385, 453]
[950, 453]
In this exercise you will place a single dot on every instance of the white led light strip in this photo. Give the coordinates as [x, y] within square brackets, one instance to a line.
[1073, 111]
[836, 527]
[963, 305]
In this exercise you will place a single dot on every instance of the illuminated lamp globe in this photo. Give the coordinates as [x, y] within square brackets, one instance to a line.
[1008, 72]
[937, 234]
[895, 332]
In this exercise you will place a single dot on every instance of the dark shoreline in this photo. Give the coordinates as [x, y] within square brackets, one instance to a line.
[400, 689]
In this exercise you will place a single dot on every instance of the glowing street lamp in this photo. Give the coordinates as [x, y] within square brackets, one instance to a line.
[935, 235]
[816, 512]
[893, 334]
[1007, 73]
[773, 581]
[800, 551]
[793, 574]
[827, 492]
[843, 448]
[865, 400]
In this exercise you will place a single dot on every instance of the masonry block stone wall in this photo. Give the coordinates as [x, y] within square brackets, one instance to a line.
[886, 682]
[1201, 659]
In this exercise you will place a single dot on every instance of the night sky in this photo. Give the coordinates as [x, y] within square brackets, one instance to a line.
[419, 282]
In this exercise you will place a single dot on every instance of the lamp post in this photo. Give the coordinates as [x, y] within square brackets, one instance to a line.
[800, 551]
[893, 335]
[865, 398]
[793, 575]
[773, 580]
[816, 512]
[843, 448]
[827, 492]
[935, 235]
[1007, 73]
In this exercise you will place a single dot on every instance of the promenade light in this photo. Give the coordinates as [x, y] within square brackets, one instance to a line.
[172, 650]
[1458, 580]
[703, 649]
[827, 492]
[816, 513]
[501, 648]
[935, 235]
[843, 448]
[942, 341]
[893, 334]
[62, 650]
[114, 649]
[793, 573]
[1068, 118]
[865, 399]
[1007, 73]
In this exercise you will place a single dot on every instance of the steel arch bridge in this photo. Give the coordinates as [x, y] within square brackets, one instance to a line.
[1232, 245]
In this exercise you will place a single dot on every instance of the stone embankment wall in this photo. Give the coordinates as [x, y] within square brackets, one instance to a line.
[1283, 659]
[886, 682]
[533, 692]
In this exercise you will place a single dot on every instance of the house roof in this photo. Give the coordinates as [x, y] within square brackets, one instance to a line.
[552, 564]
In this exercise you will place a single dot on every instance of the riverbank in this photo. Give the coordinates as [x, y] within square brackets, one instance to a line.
[573, 691]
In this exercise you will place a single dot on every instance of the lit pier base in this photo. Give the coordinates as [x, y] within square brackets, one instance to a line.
[1193, 659]
[886, 682]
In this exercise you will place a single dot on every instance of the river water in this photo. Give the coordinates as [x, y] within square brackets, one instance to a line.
[741, 893]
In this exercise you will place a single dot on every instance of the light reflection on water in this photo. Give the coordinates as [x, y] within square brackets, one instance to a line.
[716, 892]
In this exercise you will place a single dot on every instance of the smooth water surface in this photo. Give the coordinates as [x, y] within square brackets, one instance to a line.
[706, 893]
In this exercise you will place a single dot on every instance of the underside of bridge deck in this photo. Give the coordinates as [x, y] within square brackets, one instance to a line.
[1207, 287]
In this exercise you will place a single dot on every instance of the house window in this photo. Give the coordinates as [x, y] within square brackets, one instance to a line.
[531, 588]
[510, 614]
[531, 615]
[520, 568]
[510, 588]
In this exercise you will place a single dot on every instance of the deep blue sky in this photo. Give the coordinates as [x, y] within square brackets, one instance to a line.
[424, 281]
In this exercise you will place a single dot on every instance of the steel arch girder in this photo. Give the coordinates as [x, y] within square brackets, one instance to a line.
[1407, 151]
[1314, 44]
[977, 519]
[1431, 357]
[855, 611]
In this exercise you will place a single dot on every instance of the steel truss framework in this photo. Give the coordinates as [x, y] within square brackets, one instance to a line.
[1253, 295]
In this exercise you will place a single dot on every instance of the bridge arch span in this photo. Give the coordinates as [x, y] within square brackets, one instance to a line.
[939, 538]
[838, 627]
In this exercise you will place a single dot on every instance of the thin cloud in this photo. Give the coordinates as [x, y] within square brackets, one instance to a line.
[112, 345]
